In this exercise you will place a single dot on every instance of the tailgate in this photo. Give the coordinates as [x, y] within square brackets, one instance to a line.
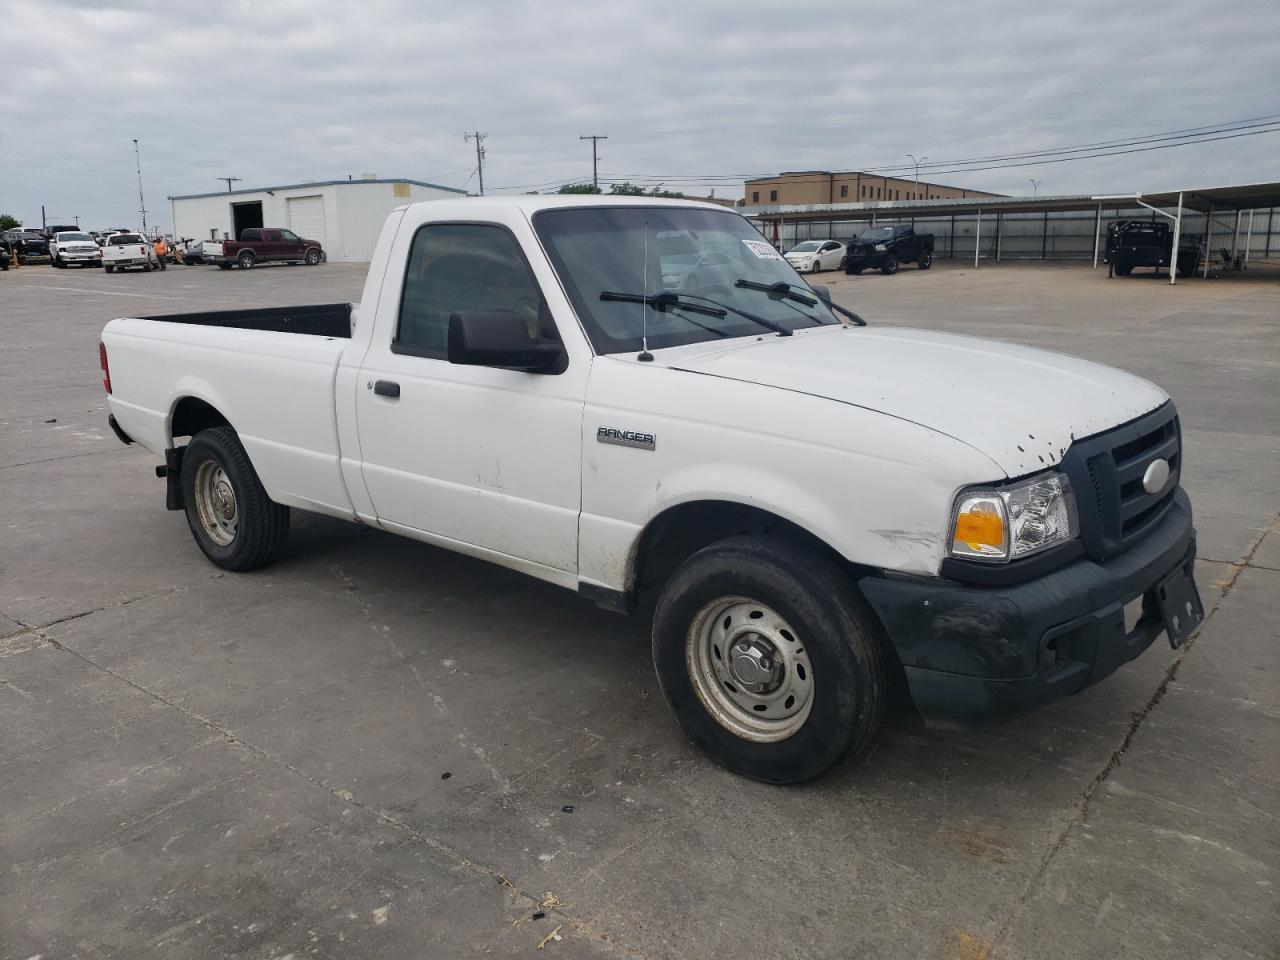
[212, 248]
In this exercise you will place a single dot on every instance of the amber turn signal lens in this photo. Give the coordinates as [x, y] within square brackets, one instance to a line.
[980, 529]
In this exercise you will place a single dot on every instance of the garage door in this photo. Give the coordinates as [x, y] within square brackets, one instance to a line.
[306, 218]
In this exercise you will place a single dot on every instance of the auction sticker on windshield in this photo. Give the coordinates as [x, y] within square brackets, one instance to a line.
[762, 250]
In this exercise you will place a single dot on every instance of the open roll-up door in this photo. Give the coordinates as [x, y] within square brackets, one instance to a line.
[306, 218]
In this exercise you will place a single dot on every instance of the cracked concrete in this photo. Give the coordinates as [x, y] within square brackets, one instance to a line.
[367, 749]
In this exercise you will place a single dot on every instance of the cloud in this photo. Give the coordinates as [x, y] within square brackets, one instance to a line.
[277, 91]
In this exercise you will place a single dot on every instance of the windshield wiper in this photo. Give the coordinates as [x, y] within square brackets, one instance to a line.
[788, 290]
[781, 288]
[670, 299]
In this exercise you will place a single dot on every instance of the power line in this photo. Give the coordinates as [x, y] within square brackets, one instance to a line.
[1139, 145]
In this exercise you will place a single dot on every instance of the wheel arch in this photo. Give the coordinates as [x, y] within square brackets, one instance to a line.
[681, 530]
[190, 414]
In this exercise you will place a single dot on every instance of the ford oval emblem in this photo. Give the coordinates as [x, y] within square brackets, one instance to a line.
[1156, 477]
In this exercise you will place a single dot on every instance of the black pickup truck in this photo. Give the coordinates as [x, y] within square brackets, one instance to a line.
[888, 246]
[1144, 243]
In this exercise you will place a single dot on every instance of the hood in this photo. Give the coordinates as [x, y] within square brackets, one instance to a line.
[1020, 406]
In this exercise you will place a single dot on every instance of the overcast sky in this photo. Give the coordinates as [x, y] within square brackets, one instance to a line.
[279, 91]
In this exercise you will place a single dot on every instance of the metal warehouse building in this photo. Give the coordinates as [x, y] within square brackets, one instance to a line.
[344, 215]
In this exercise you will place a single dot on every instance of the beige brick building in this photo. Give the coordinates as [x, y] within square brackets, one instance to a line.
[823, 186]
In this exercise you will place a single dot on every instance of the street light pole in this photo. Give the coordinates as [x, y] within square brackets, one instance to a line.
[917, 180]
[1035, 185]
[142, 205]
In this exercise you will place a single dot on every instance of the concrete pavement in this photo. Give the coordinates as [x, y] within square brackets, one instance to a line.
[368, 748]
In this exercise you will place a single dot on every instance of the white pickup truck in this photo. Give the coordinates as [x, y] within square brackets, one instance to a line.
[823, 508]
[124, 250]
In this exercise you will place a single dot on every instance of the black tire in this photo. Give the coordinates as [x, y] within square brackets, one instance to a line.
[1123, 270]
[841, 639]
[262, 525]
[224, 266]
[109, 267]
[855, 271]
[889, 265]
[246, 260]
[926, 259]
[312, 257]
[146, 266]
[58, 263]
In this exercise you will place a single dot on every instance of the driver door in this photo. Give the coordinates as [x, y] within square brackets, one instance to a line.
[475, 455]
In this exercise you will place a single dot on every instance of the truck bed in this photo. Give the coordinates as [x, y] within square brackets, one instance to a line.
[318, 320]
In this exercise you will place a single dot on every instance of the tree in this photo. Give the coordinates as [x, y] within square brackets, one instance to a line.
[578, 188]
[9, 222]
[627, 189]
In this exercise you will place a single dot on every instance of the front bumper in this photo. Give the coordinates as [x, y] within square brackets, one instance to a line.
[972, 652]
[863, 260]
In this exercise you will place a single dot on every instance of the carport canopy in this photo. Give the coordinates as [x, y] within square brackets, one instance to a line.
[1206, 200]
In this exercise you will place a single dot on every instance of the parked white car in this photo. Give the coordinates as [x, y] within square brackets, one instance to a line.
[822, 508]
[812, 256]
[124, 250]
[69, 248]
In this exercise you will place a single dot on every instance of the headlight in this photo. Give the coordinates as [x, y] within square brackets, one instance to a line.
[1008, 523]
[881, 248]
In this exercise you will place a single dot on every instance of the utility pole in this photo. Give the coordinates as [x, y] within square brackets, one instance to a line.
[595, 138]
[231, 180]
[917, 180]
[142, 205]
[479, 138]
[1035, 185]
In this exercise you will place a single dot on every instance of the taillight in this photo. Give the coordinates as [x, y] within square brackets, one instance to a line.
[102, 362]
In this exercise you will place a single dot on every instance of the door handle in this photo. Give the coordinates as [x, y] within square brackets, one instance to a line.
[387, 388]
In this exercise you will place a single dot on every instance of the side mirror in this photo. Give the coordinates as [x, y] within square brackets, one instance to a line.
[499, 338]
[821, 291]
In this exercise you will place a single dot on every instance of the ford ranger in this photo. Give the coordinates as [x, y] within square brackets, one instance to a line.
[823, 509]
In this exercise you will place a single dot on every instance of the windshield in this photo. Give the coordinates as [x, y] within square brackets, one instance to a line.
[807, 247]
[691, 252]
[122, 238]
[877, 233]
[69, 237]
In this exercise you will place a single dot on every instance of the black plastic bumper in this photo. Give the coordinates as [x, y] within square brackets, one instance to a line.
[971, 652]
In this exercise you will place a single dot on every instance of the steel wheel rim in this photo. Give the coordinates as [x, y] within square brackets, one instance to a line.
[216, 504]
[750, 669]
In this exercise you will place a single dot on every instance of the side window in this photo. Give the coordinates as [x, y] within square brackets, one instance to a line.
[773, 195]
[289, 235]
[844, 190]
[464, 266]
[755, 196]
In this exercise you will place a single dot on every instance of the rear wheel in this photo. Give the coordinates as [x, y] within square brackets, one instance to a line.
[234, 522]
[890, 264]
[769, 659]
[246, 260]
[312, 257]
[926, 259]
[146, 266]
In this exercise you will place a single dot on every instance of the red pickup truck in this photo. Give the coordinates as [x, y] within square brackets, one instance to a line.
[262, 245]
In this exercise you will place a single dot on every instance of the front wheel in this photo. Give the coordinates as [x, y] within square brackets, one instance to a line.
[769, 659]
[230, 515]
[312, 258]
[926, 260]
[890, 265]
[109, 267]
